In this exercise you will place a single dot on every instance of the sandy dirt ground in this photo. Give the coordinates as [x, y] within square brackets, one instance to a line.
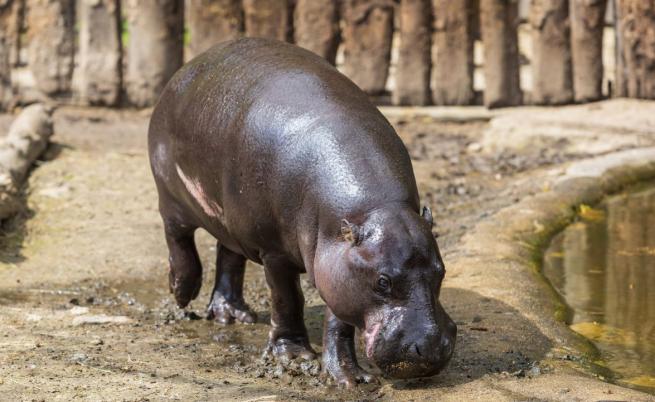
[85, 312]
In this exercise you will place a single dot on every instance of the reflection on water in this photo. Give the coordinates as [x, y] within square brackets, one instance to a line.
[604, 267]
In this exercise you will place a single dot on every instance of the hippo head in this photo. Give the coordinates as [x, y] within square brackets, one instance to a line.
[386, 282]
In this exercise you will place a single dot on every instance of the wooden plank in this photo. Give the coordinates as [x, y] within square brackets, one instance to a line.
[210, 22]
[155, 47]
[316, 27]
[413, 69]
[552, 74]
[452, 52]
[98, 74]
[636, 48]
[368, 30]
[587, 23]
[266, 18]
[499, 23]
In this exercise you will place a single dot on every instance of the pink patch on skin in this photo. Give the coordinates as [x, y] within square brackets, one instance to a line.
[210, 207]
[369, 336]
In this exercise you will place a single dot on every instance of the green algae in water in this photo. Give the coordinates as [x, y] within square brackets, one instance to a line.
[603, 265]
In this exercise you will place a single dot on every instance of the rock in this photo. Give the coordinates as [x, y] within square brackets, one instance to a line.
[77, 310]
[79, 358]
[534, 371]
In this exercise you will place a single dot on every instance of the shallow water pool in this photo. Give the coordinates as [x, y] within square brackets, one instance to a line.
[603, 266]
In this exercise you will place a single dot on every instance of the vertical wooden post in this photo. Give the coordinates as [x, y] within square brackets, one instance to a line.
[98, 75]
[587, 23]
[452, 52]
[499, 23]
[368, 32]
[51, 48]
[155, 47]
[210, 22]
[8, 37]
[316, 27]
[266, 18]
[551, 62]
[413, 69]
[636, 48]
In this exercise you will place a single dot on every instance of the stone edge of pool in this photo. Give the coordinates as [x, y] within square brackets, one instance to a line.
[506, 249]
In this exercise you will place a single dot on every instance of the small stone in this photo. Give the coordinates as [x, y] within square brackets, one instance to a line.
[535, 371]
[100, 319]
[77, 310]
[279, 370]
[474, 147]
[97, 342]
[79, 358]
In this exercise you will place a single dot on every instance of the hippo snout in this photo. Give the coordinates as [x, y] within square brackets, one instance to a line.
[411, 351]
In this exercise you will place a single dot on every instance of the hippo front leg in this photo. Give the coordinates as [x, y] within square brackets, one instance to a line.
[288, 338]
[339, 358]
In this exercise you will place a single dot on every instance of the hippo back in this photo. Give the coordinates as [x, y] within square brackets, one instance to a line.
[280, 143]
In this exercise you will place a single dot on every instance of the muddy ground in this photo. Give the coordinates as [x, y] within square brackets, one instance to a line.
[89, 247]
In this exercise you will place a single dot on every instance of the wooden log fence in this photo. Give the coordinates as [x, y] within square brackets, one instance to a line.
[587, 25]
[452, 53]
[122, 52]
[499, 21]
[552, 71]
[97, 80]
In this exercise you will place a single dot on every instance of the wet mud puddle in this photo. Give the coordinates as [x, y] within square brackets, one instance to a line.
[603, 266]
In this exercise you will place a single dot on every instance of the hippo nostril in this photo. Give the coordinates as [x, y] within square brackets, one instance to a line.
[418, 351]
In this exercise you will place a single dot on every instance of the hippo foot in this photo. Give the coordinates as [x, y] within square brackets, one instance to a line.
[286, 349]
[349, 377]
[184, 287]
[225, 312]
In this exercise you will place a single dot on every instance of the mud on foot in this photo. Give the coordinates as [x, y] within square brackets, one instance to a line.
[286, 349]
[225, 312]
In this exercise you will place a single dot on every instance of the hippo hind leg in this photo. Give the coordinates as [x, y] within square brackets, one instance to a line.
[288, 338]
[227, 302]
[185, 270]
[185, 275]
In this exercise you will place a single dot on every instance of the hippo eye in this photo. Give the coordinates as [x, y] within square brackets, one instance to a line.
[384, 283]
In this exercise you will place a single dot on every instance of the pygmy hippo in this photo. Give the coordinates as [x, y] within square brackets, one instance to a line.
[287, 163]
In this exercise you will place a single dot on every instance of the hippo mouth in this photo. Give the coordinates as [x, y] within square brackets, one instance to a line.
[370, 335]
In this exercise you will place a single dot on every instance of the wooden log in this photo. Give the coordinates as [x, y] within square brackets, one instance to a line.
[587, 23]
[28, 138]
[155, 48]
[635, 48]
[98, 75]
[368, 30]
[51, 44]
[413, 68]
[316, 27]
[266, 18]
[5, 50]
[499, 23]
[552, 75]
[210, 22]
[452, 52]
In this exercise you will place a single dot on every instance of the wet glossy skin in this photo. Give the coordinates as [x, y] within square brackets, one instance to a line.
[286, 162]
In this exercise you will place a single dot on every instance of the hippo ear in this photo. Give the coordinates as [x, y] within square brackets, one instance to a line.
[427, 215]
[350, 232]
